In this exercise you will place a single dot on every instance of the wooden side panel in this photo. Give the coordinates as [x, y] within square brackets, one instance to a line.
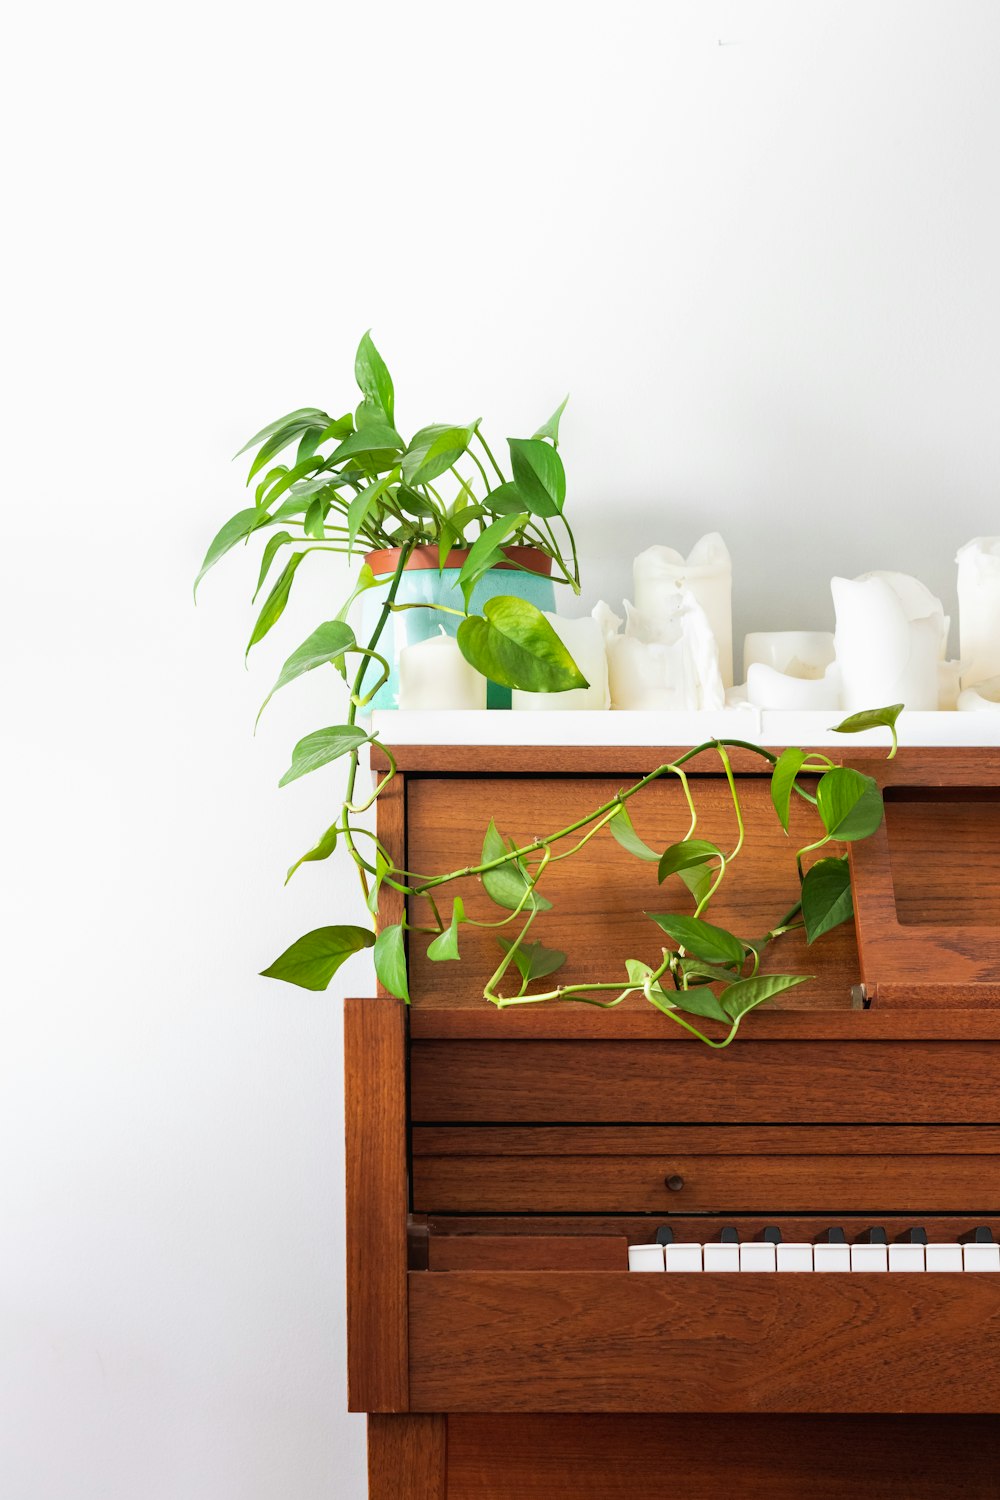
[375, 1083]
[700, 1458]
[607, 1341]
[610, 1082]
[407, 1457]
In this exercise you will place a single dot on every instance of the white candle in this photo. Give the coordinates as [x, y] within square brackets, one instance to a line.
[662, 575]
[648, 671]
[984, 696]
[768, 688]
[979, 609]
[799, 653]
[891, 634]
[435, 674]
[584, 640]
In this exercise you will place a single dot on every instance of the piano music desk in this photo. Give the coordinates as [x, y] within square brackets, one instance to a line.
[499, 1164]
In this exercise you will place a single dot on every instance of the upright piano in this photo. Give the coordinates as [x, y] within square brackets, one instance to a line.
[502, 1165]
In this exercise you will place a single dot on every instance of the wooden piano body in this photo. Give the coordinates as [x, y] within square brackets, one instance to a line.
[500, 1162]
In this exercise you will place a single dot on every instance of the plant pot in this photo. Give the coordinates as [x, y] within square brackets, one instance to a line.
[422, 583]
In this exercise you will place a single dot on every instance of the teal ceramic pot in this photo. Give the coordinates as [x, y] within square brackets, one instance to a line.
[422, 583]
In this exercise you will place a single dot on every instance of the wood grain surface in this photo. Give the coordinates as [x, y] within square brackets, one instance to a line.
[611, 1341]
[407, 1457]
[544, 1457]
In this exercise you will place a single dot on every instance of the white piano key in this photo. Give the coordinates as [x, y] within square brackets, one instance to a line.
[645, 1257]
[721, 1257]
[831, 1257]
[683, 1257]
[981, 1257]
[869, 1258]
[757, 1256]
[943, 1258]
[906, 1257]
[795, 1257]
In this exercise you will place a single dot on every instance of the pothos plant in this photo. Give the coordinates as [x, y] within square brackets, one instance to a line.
[355, 482]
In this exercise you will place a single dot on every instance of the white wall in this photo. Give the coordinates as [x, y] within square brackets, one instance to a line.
[758, 242]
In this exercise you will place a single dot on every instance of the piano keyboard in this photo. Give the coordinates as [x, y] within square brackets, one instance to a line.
[977, 1251]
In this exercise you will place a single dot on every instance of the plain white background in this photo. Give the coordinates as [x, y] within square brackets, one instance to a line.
[759, 243]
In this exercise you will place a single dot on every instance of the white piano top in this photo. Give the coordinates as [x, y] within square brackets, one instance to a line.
[640, 727]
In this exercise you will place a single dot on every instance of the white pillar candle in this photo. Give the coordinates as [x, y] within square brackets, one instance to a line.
[584, 640]
[984, 696]
[979, 609]
[799, 653]
[646, 671]
[890, 636]
[435, 674]
[662, 575]
[767, 688]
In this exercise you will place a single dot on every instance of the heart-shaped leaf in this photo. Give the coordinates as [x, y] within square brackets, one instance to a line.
[539, 475]
[445, 945]
[485, 552]
[621, 828]
[686, 855]
[375, 439]
[826, 897]
[322, 746]
[312, 960]
[550, 429]
[390, 961]
[745, 994]
[787, 767]
[235, 529]
[506, 884]
[698, 879]
[534, 960]
[872, 718]
[322, 850]
[374, 380]
[849, 803]
[512, 643]
[505, 500]
[432, 451]
[714, 944]
[699, 1002]
[327, 642]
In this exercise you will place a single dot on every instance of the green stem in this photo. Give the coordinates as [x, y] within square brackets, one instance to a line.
[486, 448]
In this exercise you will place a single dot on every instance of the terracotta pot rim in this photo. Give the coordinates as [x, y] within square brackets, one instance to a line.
[426, 557]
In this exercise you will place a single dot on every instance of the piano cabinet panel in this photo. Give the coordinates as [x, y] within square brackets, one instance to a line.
[754, 1081]
[610, 1341]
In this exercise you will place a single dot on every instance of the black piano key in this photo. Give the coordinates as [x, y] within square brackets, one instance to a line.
[981, 1236]
[875, 1236]
[772, 1235]
[916, 1237]
[665, 1236]
[834, 1236]
[729, 1236]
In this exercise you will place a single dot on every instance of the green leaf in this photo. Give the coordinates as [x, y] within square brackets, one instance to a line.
[360, 507]
[687, 855]
[873, 718]
[382, 868]
[745, 994]
[485, 552]
[327, 642]
[697, 968]
[235, 529]
[366, 580]
[506, 884]
[699, 881]
[434, 449]
[312, 961]
[699, 1002]
[308, 443]
[291, 476]
[505, 500]
[374, 380]
[274, 604]
[786, 768]
[322, 850]
[304, 417]
[445, 945]
[512, 643]
[539, 475]
[550, 429]
[316, 515]
[637, 971]
[274, 544]
[849, 803]
[533, 960]
[267, 481]
[621, 828]
[714, 944]
[826, 896]
[320, 747]
[390, 961]
[377, 437]
[276, 444]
